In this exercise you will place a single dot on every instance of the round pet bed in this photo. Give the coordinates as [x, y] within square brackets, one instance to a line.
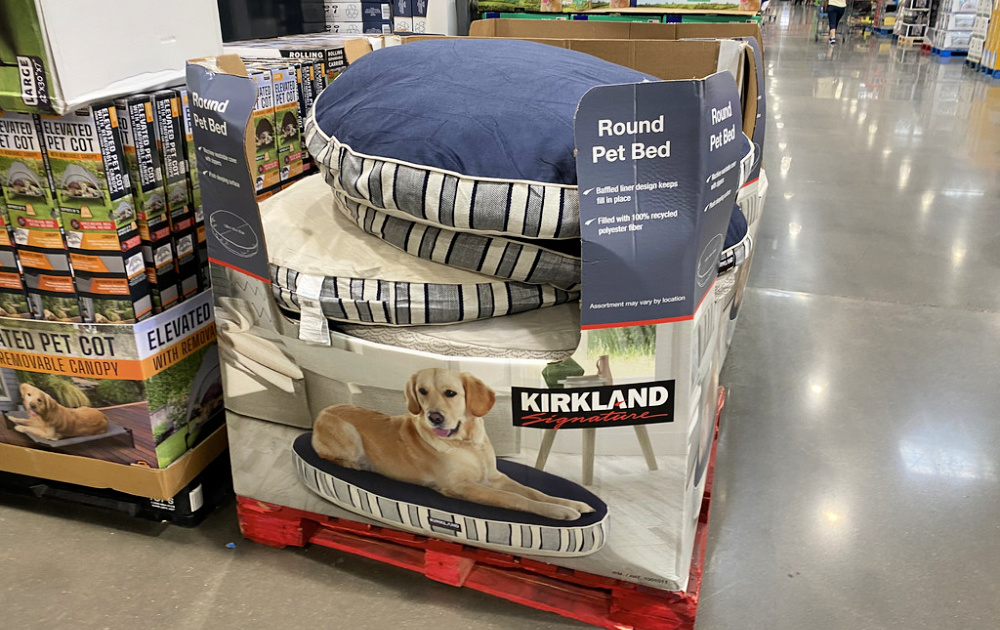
[738, 242]
[550, 334]
[362, 279]
[485, 177]
[491, 152]
[556, 264]
[421, 510]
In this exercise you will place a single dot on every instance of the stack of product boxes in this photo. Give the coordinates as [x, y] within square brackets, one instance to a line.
[953, 26]
[325, 50]
[912, 18]
[980, 28]
[986, 35]
[100, 212]
[91, 187]
[409, 16]
[289, 74]
[357, 18]
[33, 220]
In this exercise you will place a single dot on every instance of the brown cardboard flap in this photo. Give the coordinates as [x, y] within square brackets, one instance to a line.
[668, 11]
[94, 473]
[719, 31]
[665, 58]
[562, 29]
[585, 29]
[355, 48]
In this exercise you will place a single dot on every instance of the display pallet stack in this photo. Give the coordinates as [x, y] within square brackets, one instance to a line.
[886, 14]
[110, 384]
[593, 599]
[284, 379]
[986, 38]
[952, 32]
[980, 29]
[912, 21]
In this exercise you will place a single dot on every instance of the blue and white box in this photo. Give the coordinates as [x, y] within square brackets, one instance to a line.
[357, 11]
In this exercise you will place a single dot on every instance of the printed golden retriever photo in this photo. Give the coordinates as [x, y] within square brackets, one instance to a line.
[441, 443]
[49, 420]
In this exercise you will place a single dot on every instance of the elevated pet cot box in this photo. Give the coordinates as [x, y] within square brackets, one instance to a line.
[136, 395]
[293, 342]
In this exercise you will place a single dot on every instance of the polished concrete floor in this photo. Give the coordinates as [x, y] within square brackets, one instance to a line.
[858, 477]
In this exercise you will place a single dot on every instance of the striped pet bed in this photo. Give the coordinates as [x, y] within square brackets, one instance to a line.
[493, 153]
[479, 175]
[738, 242]
[423, 511]
[499, 257]
[322, 257]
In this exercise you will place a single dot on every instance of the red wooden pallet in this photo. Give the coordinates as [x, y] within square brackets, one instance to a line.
[598, 600]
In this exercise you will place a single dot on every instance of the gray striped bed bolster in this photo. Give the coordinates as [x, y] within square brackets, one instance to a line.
[520, 261]
[382, 302]
[536, 210]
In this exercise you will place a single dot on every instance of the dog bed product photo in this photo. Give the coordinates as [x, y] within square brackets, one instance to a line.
[360, 279]
[422, 510]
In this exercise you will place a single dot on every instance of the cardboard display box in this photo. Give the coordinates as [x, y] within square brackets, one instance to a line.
[652, 477]
[160, 485]
[326, 49]
[139, 395]
[13, 300]
[56, 57]
[91, 184]
[137, 121]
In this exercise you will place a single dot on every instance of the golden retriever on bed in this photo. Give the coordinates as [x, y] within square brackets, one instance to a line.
[440, 444]
[49, 420]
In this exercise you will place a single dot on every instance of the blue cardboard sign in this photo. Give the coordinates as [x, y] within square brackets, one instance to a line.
[658, 168]
[221, 105]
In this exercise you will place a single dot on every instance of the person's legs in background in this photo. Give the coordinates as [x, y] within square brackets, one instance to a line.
[835, 13]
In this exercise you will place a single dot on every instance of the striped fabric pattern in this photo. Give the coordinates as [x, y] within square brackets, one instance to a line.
[519, 261]
[534, 210]
[382, 302]
[507, 537]
[736, 254]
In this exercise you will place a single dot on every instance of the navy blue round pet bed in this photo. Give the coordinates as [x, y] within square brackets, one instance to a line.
[424, 511]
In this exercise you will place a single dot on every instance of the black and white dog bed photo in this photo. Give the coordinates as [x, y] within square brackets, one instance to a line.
[421, 510]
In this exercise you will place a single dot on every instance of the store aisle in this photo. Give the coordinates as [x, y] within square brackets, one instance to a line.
[859, 461]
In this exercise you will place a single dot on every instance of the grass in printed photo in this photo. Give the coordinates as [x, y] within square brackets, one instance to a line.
[168, 392]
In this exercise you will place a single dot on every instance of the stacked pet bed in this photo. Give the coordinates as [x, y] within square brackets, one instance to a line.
[453, 200]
